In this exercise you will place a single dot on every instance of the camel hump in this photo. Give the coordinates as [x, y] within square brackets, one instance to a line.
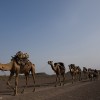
[60, 64]
[77, 67]
[73, 65]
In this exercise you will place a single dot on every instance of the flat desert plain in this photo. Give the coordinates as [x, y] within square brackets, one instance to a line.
[45, 90]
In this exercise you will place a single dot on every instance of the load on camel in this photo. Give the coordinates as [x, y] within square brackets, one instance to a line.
[19, 64]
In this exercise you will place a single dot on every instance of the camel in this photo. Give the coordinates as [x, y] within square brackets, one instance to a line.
[59, 69]
[93, 74]
[79, 72]
[75, 71]
[85, 72]
[16, 69]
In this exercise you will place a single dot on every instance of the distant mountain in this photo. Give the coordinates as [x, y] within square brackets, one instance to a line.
[41, 73]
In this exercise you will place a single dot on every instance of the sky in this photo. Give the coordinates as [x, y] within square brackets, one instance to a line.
[65, 31]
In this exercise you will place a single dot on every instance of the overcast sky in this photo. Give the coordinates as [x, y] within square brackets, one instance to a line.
[59, 30]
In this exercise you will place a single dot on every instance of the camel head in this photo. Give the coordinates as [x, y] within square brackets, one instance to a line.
[2, 68]
[6, 67]
[50, 62]
[12, 58]
[71, 66]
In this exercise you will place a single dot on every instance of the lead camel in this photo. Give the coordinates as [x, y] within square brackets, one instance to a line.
[16, 69]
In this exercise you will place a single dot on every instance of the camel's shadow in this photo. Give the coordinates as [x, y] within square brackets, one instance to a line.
[6, 92]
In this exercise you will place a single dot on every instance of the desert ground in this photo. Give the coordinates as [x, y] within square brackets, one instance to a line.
[45, 90]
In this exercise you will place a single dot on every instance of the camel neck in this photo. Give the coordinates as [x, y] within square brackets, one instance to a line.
[52, 66]
[6, 67]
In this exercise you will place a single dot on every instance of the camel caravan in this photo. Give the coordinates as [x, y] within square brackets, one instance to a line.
[76, 73]
[20, 64]
[92, 74]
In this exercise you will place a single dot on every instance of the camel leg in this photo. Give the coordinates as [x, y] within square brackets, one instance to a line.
[58, 77]
[59, 80]
[63, 80]
[33, 75]
[8, 82]
[56, 80]
[33, 82]
[16, 84]
[80, 77]
[73, 79]
[26, 77]
[77, 77]
[85, 77]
